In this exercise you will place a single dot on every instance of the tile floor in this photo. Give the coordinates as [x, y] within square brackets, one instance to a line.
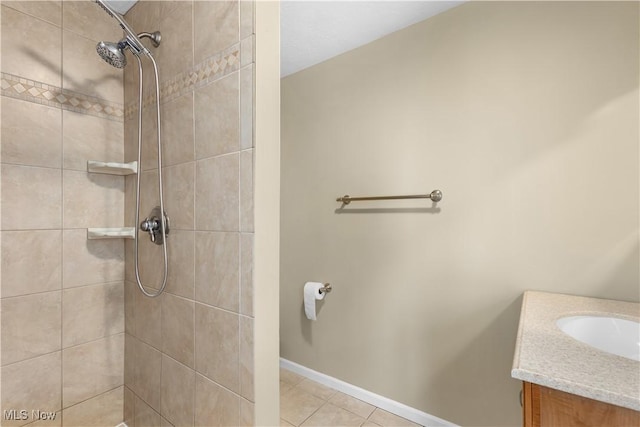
[306, 403]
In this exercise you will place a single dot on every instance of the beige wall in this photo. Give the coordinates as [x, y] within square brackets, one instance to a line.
[189, 352]
[525, 115]
[62, 296]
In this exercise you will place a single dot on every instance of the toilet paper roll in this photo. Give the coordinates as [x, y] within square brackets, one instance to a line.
[311, 294]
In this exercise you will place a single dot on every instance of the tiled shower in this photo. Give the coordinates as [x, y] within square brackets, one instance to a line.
[79, 340]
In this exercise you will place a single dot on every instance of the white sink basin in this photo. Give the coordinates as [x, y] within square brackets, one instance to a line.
[609, 334]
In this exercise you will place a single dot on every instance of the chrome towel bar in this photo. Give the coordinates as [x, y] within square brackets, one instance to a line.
[435, 196]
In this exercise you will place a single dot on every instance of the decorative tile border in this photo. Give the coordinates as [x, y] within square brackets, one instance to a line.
[207, 71]
[53, 96]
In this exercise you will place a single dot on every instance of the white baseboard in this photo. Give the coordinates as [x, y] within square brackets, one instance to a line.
[381, 402]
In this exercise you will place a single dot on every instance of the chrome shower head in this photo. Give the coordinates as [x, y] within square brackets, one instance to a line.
[113, 53]
[131, 37]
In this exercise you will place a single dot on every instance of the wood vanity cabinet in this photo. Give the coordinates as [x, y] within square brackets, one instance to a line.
[547, 407]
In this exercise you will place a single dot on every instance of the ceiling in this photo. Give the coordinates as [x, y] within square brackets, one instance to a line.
[121, 6]
[314, 31]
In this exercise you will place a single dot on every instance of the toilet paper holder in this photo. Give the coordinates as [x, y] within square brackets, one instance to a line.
[326, 288]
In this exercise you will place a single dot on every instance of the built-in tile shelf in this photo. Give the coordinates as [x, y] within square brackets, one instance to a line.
[111, 233]
[112, 168]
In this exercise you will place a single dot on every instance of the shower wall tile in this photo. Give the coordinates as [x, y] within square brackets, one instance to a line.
[177, 389]
[177, 130]
[87, 19]
[215, 405]
[216, 27]
[31, 198]
[130, 361]
[217, 346]
[89, 262]
[247, 411]
[246, 358]
[130, 77]
[246, 274]
[129, 408]
[93, 200]
[18, 87]
[247, 116]
[148, 318]
[92, 312]
[56, 117]
[145, 15]
[145, 415]
[166, 8]
[179, 192]
[217, 193]
[182, 264]
[56, 422]
[130, 290]
[204, 73]
[130, 201]
[31, 134]
[207, 113]
[247, 13]
[91, 369]
[30, 326]
[29, 42]
[50, 11]
[90, 138]
[131, 139]
[102, 410]
[129, 254]
[217, 269]
[31, 262]
[149, 155]
[246, 191]
[151, 261]
[148, 366]
[176, 52]
[149, 197]
[84, 71]
[33, 383]
[177, 329]
[217, 117]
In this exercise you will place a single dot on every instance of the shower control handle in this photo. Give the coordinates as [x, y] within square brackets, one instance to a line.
[150, 225]
[153, 225]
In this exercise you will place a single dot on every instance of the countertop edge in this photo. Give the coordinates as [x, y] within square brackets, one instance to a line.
[516, 353]
[545, 356]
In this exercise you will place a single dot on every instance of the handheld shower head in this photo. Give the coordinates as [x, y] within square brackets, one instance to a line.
[132, 38]
[113, 53]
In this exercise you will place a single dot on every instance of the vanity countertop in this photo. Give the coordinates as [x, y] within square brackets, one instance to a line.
[546, 356]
